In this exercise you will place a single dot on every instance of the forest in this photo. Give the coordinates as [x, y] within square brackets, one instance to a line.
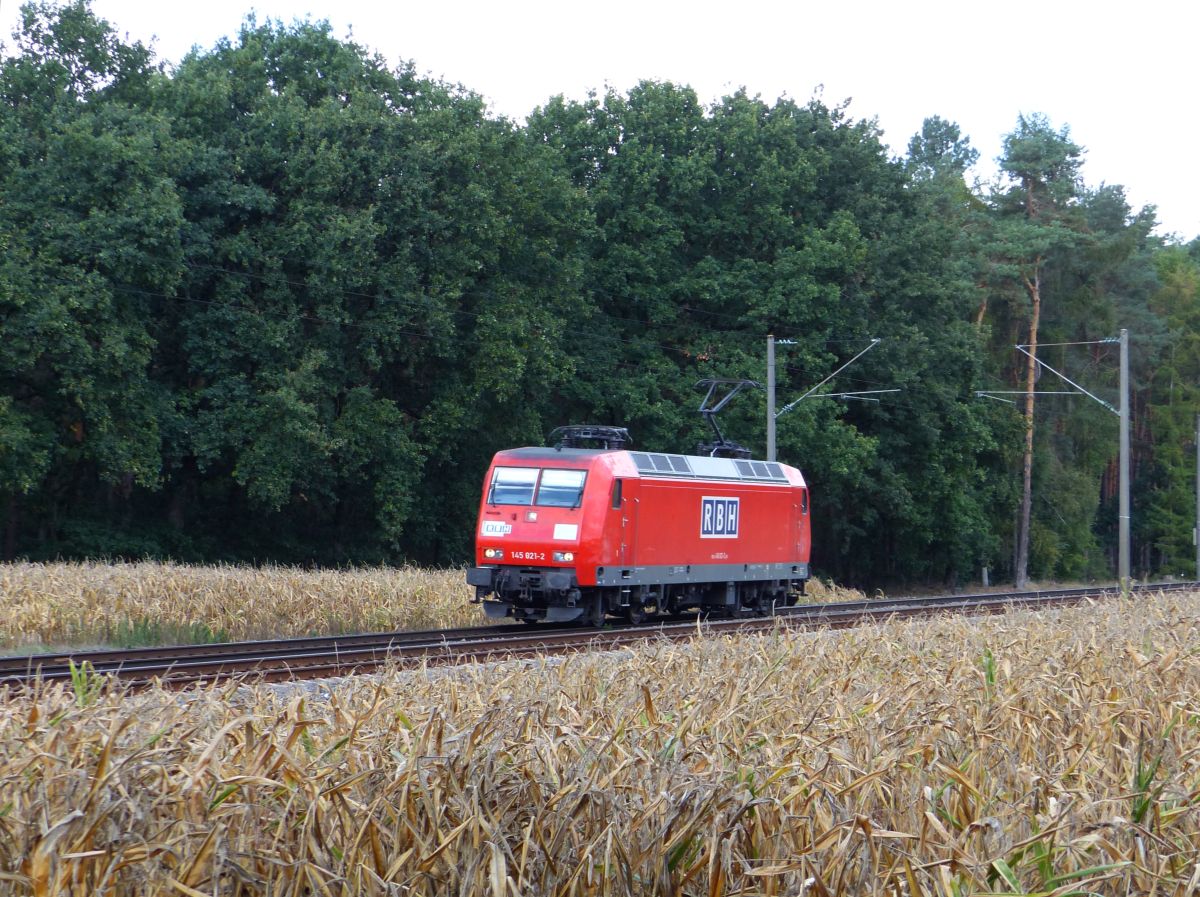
[282, 300]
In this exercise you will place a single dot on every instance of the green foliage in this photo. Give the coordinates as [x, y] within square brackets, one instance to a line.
[26, 456]
[89, 223]
[284, 301]
[717, 229]
[940, 151]
[1174, 398]
[86, 683]
[987, 664]
[1144, 793]
[1040, 858]
[144, 633]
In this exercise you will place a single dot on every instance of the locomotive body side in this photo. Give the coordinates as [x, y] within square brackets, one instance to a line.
[722, 531]
[577, 534]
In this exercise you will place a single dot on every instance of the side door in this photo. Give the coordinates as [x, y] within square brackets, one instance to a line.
[629, 520]
[803, 532]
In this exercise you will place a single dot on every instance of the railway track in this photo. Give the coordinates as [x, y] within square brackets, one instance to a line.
[283, 659]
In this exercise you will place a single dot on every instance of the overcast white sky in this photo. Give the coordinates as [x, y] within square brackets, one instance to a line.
[1123, 76]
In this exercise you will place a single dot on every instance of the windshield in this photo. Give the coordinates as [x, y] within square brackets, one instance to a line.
[512, 486]
[560, 488]
[519, 485]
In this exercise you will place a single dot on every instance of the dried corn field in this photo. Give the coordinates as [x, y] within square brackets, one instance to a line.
[129, 605]
[1051, 753]
[67, 604]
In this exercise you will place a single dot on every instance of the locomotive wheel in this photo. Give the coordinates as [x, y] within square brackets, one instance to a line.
[759, 606]
[593, 615]
[635, 613]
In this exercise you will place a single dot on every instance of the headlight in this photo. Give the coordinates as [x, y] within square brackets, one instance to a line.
[493, 554]
[564, 557]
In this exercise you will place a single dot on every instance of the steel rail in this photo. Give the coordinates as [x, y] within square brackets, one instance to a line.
[118, 656]
[130, 661]
[283, 659]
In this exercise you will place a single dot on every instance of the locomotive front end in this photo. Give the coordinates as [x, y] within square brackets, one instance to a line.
[530, 535]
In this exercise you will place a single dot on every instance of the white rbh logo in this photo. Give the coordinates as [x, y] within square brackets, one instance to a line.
[719, 517]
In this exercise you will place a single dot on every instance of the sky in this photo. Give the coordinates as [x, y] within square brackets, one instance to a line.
[1123, 77]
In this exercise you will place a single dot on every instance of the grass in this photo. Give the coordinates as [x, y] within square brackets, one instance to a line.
[1049, 753]
[136, 604]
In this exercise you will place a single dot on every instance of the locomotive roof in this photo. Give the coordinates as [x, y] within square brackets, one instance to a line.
[668, 466]
[538, 453]
[657, 464]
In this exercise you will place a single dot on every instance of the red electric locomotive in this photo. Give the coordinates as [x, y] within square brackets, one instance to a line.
[579, 533]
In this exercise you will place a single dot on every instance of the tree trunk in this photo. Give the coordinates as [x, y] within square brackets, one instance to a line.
[982, 310]
[1035, 294]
